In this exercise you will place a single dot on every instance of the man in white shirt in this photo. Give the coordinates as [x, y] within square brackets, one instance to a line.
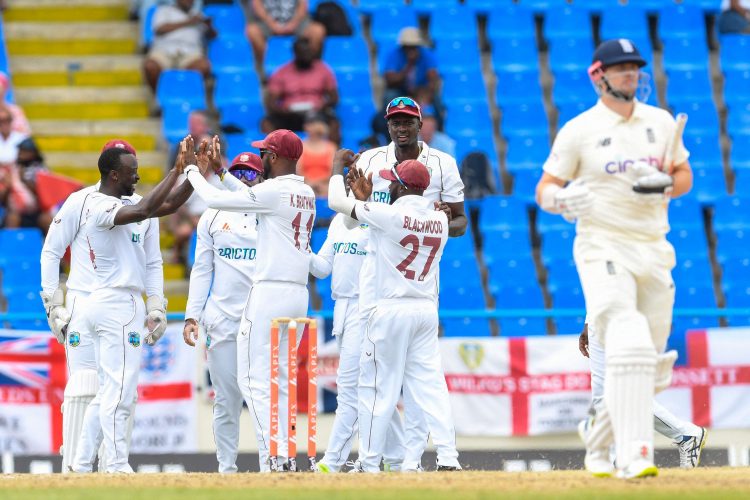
[404, 118]
[9, 138]
[123, 247]
[220, 280]
[612, 159]
[400, 346]
[65, 312]
[342, 255]
[286, 213]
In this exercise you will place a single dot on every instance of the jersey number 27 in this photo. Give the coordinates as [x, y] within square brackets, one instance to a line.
[413, 241]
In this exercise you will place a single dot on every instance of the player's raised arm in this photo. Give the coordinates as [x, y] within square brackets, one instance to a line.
[178, 196]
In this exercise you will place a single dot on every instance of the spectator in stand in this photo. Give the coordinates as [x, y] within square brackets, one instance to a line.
[317, 155]
[435, 138]
[178, 41]
[734, 17]
[20, 123]
[411, 69]
[301, 86]
[268, 18]
[18, 199]
[9, 138]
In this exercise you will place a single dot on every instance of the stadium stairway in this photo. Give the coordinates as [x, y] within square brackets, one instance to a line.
[76, 71]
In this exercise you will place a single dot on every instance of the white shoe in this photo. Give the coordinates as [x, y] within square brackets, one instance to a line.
[412, 470]
[356, 467]
[690, 449]
[640, 467]
[598, 463]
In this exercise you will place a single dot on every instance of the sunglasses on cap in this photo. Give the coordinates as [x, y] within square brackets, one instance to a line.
[245, 174]
[398, 177]
[406, 101]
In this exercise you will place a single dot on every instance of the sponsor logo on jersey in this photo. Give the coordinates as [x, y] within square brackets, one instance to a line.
[226, 227]
[74, 339]
[237, 253]
[472, 354]
[622, 166]
[380, 197]
[58, 220]
[347, 247]
[134, 339]
[650, 135]
[135, 237]
[605, 142]
[208, 341]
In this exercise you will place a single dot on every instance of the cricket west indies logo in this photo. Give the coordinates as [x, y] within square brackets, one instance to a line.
[74, 339]
[134, 338]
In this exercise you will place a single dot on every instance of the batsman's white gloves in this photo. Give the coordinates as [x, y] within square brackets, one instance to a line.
[58, 316]
[156, 318]
[651, 184]
[572, 202]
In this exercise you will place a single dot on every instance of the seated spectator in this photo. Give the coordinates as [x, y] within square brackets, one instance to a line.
[20, 123]
[317, 155]
[18, 198]
[435, 138]
[199, 126]
[735, 17]
[299, 87]
[9, 138]
[178, 41]
[267, 18]
[411, 69]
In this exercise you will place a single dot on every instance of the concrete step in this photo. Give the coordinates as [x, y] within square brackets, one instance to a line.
[91, 135]
[77, 159]
[90, 175]
[84, 102]
[47, 39]
[41, 71]
[174, 271]
[68, 10]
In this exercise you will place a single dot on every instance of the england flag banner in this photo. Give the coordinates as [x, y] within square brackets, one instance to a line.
[166, 414]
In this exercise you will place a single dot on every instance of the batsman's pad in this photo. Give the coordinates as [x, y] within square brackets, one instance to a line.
[79, 392]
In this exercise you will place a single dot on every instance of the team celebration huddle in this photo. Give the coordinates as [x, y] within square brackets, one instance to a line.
[397, 207]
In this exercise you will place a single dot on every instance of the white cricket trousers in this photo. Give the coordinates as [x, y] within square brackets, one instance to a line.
[221, 341]
[401, 349]
[117, 316]
[267, 300]
[666, 423]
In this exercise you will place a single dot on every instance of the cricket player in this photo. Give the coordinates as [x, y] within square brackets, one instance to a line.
[400, 345]
[686, 436]
[607, 171]
[285, 206]
[123, 247]
[342, 255]
[65, 311]
[404, 118]
[220, 281]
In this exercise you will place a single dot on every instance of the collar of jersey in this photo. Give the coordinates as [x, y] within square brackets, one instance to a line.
[390, 157]
[638, 112]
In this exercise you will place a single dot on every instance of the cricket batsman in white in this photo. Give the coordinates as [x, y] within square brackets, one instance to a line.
[221, 279]
[613, 168]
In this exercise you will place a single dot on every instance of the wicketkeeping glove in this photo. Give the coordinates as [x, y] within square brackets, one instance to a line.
[574, 200]
[156, 318]
[651, 184]
[58, 316]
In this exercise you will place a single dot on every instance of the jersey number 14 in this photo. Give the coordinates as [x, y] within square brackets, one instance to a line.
[296, 224]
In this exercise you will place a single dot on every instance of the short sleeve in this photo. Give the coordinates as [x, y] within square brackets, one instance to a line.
[377, 215]
[105, 210]
[276, 82]
[161, 16]
[329, 80]
[453, 186]
[563, 160]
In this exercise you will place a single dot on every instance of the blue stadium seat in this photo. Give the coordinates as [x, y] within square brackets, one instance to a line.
[573, 87]
[244, 117]
[278, 53]
[237, 89]
[692, 271]
[735, 271]
[524, 119]
[702, 113]
[699, 295]
[18, 244]
[685, 54]
[481, 141]
[709, 185]
[428, 7]
[232, 55]
[240, 142]
[705, 150]
[466, 327]
[501, 213]
[570, 297]
[510, 21]
[498, 244]
[355, 118]
[737, 295]
[558, 243]
[228, 20]
[734, 53]
[688, 85]
[741, 167]
[464, 296]
[566, 22]
[546, 222]
[738, 121]
[514, 54]
[517, 87]
[460, 88]
[147, 28]
[685, 213]
[319, 235]
[519, 297]
[736, 87]
[347, 54]
[454, 23]
[21, 275]
[527, 151]
[26, 301]
[682, 21]
[624, 21]
[459, 248]
[566, 111]
[507, 272]
[689, 242]
[323, 288]
[524, 185]
[570, 54]
[681, 324]
[468, 119]
[174, 121]
[386, 23]
[561, 272]
[458, 56]
[732, 244]
[730, 212]
[354, 87]
[178, 86]
[373, 6]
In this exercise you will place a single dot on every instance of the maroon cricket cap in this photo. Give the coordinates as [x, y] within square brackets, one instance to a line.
[283, 142]
[249, 160]
[119, 143]
[411, 172]
[403, 106]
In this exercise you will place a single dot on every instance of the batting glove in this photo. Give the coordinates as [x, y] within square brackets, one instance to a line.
[574, 201]
[651, 184]
[58, 316]
[156, 318]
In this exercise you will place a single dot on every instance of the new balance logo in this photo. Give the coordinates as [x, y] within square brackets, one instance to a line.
[605, 142]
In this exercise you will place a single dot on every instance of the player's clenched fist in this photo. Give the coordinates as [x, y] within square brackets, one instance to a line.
[344, 158]
[190, 332]
[652, 184]
[442, 206]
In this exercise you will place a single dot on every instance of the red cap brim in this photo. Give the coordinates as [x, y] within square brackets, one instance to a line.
[259, 144]
[387, 175]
